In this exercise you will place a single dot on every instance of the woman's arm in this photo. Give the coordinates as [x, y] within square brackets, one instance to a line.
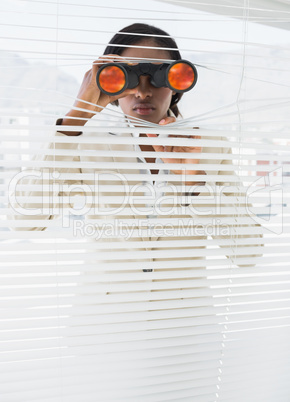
[254, 230]
[42, 183]
[38, 194]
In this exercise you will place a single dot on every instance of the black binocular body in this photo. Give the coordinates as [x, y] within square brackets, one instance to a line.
[114, 78]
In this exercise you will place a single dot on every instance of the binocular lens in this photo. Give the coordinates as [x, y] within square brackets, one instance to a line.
[112, 79]
[181, 76]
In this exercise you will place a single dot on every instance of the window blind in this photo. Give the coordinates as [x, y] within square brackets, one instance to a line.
[120, 285]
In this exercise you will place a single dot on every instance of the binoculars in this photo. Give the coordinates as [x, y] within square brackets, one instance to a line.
[114, 78]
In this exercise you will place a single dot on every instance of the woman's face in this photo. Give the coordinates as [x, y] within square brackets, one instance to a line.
[148, 103]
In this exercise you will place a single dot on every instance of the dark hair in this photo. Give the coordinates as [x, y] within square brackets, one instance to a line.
[136, 33]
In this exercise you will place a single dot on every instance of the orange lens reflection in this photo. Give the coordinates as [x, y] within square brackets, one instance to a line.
[112, 79]
[181, 76]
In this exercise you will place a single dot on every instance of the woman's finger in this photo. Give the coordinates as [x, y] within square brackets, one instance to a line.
[157, 148]
[104, 59]
[167, 120]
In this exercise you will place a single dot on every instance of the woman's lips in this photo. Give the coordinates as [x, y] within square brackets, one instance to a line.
[143, 108]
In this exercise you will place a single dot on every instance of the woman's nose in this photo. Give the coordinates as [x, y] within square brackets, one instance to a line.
[144, 88]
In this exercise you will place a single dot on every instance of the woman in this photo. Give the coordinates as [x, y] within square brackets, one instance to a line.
[155, 279]
[146, 102]
[155, 105]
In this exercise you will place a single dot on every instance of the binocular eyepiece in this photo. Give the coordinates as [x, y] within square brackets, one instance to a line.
[114, 78]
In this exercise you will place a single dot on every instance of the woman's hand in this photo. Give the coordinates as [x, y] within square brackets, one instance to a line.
[192, 151]
[90, 99]
[89, 90]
